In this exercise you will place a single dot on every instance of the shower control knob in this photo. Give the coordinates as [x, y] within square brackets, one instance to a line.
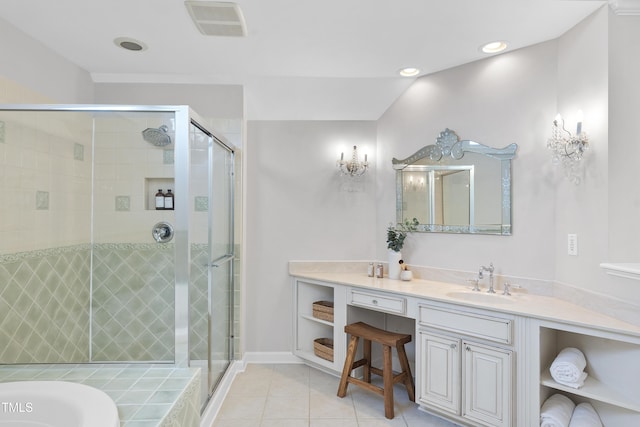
[162, 232]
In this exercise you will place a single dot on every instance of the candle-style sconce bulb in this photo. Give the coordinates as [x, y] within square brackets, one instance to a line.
[579, 118]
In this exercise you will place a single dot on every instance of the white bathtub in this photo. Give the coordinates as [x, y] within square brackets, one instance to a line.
[55, 404]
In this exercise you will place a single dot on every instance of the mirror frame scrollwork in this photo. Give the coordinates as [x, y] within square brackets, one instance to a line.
[448, 144]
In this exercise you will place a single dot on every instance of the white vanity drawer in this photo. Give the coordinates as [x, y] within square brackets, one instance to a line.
[380, 302]
[478, 325]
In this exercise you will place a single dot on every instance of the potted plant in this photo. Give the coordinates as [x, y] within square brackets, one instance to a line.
[396, 234]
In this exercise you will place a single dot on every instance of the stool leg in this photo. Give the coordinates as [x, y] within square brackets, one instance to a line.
[408, 381]
[387, 376]
[367, 356]
[348, 363]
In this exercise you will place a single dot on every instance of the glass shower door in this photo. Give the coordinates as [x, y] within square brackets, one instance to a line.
[212, 253]
[221, 246]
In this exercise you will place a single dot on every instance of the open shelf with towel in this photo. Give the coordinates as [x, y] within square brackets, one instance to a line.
[613, 382]
[594, 389]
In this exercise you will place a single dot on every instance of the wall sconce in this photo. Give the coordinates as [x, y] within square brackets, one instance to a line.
[353, 167]
[567, 148]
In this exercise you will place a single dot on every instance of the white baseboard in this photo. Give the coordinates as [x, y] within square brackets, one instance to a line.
[275, 357]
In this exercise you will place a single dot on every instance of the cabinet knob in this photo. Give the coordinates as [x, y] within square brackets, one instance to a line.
[468, 348]
[453, 346]
[375, 302]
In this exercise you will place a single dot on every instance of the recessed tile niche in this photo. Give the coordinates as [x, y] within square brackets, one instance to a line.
[151, 187]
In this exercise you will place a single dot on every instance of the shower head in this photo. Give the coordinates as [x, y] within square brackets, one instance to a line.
[158, 137]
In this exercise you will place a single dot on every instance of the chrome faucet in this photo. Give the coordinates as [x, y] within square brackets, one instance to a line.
[481, 275]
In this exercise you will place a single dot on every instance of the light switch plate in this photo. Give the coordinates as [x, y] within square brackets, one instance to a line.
[572, 244]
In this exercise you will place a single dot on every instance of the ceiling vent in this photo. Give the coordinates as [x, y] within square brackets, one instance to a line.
[215, 18]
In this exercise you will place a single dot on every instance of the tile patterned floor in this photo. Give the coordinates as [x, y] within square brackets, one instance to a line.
[297, 395]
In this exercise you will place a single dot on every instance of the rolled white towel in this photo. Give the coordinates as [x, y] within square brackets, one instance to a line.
[577, 384]
[556, 411]
[568, 368]
[585, 416]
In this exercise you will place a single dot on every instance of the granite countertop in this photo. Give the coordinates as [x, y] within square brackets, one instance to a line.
[520, 302]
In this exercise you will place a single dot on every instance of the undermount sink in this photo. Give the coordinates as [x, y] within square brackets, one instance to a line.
[481, 297]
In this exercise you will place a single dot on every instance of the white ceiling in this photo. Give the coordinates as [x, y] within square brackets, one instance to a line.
[301, 59]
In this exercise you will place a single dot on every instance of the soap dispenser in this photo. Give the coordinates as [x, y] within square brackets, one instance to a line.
[159, 200]
[168, 200]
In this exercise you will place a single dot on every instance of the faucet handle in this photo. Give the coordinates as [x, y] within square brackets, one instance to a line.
[475, 284]
[507, 289]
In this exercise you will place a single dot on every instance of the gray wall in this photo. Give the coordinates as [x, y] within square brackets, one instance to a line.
[34, 66]
[297, 209]
[624, 129]
[514, 98]
[582, 209]
[209, 101]
[505, 99]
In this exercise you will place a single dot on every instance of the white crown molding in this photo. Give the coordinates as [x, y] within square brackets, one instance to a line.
[625, 7]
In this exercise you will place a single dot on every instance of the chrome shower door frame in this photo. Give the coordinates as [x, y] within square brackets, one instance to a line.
[182, 254]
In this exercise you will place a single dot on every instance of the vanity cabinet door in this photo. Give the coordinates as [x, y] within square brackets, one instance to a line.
[440, 382]
[487, 384]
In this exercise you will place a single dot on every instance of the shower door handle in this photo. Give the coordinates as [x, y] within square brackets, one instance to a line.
[220, 260]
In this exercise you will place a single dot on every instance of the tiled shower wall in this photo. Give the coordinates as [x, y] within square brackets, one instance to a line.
[46, 297]
[133, 276]
[133, 302]
[198, 303]
[45, 180]
[44, 303]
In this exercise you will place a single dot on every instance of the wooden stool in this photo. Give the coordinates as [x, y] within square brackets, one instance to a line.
[388, 339]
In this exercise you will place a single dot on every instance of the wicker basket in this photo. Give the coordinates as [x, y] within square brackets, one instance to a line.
[323, 310]
[323, 348]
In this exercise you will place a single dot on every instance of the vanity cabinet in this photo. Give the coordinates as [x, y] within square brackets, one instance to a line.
[461, 368]
[479, 365]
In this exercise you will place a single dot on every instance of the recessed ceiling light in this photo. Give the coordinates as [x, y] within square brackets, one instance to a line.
[409, 72]
[130, 44]
[494, 47]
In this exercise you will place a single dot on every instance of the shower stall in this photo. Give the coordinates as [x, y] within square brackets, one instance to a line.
[94, 270]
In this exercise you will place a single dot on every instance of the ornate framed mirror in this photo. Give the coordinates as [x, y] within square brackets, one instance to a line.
[456, 186]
